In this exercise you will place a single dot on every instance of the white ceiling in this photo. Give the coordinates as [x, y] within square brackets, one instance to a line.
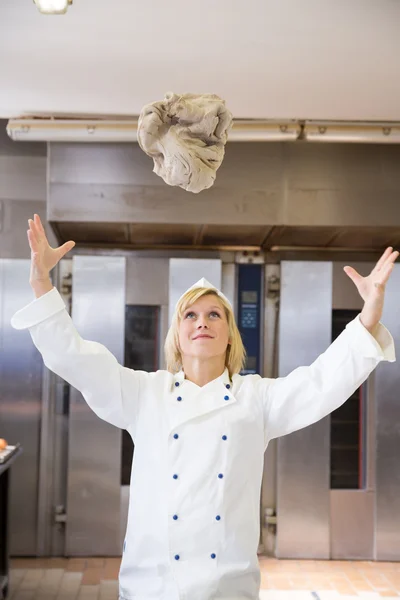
[311, 59]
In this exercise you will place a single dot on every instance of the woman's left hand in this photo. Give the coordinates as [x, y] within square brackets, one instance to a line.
[372, 288]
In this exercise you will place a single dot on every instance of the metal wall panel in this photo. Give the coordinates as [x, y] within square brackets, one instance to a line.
[21, 369]
[14, 215]
[228, 283]
[184, 272]
[352, 524]
[387, 435]
[352, 511]
[147, 280]
[94, 462]
[303, 471]
[312, 185]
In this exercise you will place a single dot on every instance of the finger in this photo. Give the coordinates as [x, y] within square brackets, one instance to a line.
[32, 241]
[33, 232]
[390, 258]
[353, 274]
[34, 229]
[385, 273]
[38, 224]
[66, 248]
[389, 261]
[393, 257]
[382, 259]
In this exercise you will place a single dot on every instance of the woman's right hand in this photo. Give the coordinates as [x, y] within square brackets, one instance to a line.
[43, 257]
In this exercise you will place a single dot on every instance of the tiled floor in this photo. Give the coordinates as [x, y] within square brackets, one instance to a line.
[331, 579]
[96, 579]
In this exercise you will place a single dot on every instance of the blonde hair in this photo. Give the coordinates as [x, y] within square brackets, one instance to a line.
[235, 351]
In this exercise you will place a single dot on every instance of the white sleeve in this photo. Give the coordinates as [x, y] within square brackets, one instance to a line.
[87, 366]
[310, 393]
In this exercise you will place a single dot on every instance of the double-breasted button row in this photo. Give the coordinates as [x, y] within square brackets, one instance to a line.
[175, 476]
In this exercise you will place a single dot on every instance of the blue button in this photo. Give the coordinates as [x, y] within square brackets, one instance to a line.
[176, 383]
[179, 398]
[228, 386]
[175, 517]
[176, 436]
[218, 518]
[175, 476]
[220, 476]
[226, 397]
[224, 437]
[177, 556]
[213, 555]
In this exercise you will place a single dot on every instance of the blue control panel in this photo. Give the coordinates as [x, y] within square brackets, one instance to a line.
[249, 314]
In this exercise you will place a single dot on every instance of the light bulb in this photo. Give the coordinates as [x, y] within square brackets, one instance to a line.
[52, 7]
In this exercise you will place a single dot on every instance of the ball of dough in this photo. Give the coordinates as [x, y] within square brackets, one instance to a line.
[185, 135]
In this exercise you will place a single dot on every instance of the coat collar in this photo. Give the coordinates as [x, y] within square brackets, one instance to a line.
[188, 401]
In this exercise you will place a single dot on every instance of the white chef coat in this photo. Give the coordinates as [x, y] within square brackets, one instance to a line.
[193, 525]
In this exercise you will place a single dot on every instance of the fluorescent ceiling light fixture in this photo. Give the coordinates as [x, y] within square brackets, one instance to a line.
[71, 130]
[53, 7]
[125, 130]
[363, 133]
[264, 131]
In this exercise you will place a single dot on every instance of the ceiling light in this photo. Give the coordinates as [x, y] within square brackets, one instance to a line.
[79, 130]
[69, 130]
[267, 131]
[125, 130]
[364, 133]
[52, 7]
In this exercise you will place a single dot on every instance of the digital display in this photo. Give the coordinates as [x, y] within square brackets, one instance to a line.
[249, 297]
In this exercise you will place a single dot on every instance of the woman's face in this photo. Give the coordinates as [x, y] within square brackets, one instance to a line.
[203, 330]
